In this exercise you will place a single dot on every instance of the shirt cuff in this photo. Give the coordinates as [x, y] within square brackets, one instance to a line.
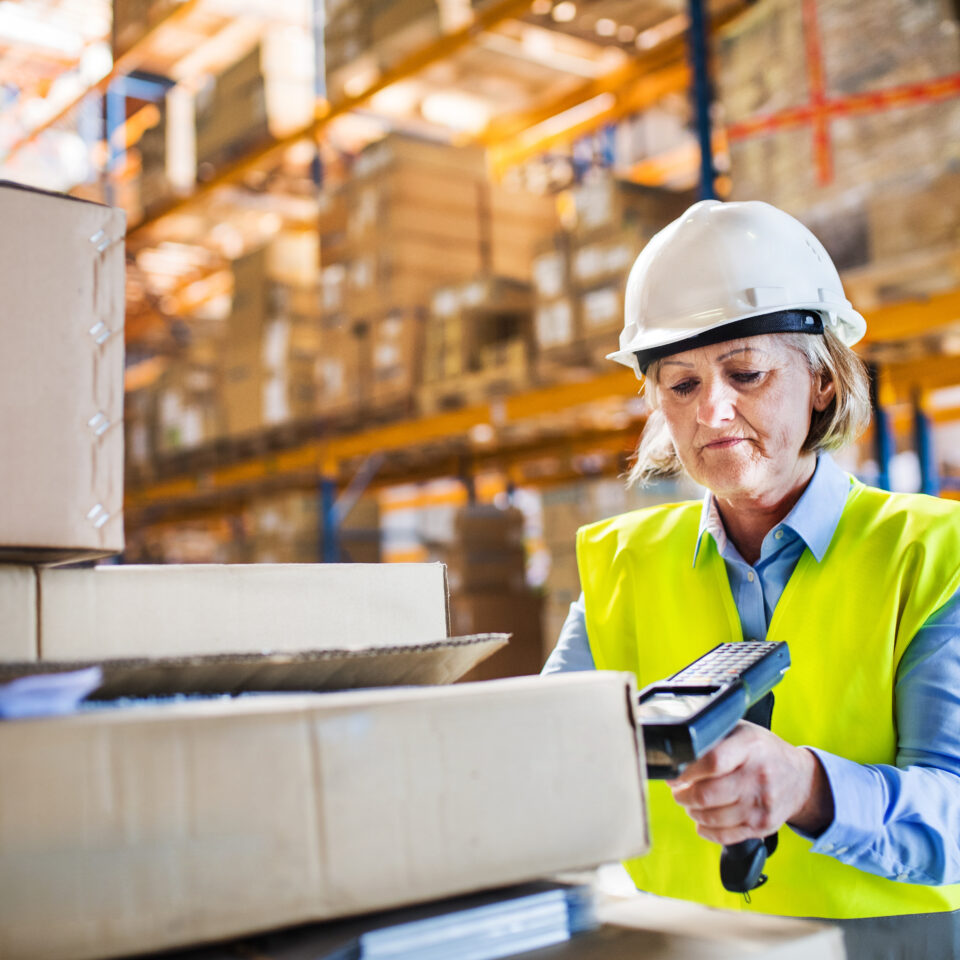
[858, 805]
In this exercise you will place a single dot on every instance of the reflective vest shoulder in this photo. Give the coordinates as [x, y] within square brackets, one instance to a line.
[893, 561]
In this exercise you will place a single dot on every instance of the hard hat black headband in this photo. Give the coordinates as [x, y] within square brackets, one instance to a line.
[783, 321]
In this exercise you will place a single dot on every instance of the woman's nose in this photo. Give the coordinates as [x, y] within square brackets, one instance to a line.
[716, 405]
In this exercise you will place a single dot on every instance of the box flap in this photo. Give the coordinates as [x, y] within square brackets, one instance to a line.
[131, 612]
[345, 669]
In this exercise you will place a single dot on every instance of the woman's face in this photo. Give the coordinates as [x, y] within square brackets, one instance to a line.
[739, 413]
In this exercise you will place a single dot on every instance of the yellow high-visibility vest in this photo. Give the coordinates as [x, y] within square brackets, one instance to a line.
[893, 561]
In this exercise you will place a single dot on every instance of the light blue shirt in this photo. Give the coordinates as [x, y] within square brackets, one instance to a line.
[900, 822]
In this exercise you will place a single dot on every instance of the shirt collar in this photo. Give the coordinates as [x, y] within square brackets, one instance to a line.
[814, 516]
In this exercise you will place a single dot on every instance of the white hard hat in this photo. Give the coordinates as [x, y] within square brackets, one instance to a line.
[728, 270]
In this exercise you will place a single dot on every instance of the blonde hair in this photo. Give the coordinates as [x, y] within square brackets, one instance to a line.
[844, 419]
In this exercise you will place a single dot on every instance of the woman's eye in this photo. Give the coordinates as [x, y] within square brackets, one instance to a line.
[683, 388]
[751, 376]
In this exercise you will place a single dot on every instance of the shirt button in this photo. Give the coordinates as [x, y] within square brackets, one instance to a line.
[750, 576]
[903, 877]
[840, 851]
[827, 847]
[779, 534]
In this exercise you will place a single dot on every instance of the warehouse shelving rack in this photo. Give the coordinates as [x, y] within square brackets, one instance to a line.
[328, 455]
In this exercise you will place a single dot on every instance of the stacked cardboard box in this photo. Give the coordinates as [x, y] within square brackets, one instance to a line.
[152, 148]
[61, 388]
[885, 165]
[477, 343]
[486, 568]
[580, 278]
[241, 375]
[413, 217]
[288, 528]
[133, 19]
[230, 113]
[366, 37]
[188, 410]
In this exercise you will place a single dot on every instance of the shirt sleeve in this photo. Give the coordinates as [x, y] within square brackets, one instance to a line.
[900, 822]
[572, 651]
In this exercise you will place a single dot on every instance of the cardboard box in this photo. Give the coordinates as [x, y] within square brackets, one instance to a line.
[210, 628]
[194, 610]
[519, 614]
[61, 377]
[503, 568]
[140, 829]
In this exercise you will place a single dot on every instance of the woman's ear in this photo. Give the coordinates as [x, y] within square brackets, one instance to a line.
[824, 390]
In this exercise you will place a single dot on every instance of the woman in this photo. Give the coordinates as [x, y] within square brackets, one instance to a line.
[736, 318]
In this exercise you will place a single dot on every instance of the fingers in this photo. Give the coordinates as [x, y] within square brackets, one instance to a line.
[723, 759]
[710, 792]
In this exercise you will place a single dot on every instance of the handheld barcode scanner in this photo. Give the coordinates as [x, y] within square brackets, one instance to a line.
[686, 715]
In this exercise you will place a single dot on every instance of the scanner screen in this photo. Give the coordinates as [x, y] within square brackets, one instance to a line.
[672, 706]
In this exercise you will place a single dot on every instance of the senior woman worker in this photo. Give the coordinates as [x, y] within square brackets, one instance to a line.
[737, 319]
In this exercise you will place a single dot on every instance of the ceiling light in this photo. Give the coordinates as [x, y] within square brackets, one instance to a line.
[626, 33]
[662, 31]
[605, 27]
[564, 12]
[455, 110]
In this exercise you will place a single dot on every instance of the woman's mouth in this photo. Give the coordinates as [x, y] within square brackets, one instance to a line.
[723, 443]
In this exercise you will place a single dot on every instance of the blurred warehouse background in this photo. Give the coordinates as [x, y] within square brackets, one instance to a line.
[377, 251]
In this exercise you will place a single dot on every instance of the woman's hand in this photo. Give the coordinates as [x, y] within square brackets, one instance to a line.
[750, 784]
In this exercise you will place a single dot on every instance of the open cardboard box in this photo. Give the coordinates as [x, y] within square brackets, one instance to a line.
[161, 630]
[133, 829]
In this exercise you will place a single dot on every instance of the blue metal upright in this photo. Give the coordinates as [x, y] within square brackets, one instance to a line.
[329, 521]
[883, 440]
[926, 454]
[699, 34]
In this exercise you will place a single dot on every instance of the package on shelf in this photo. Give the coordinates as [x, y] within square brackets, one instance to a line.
[501, 568]
[580, 278]
[139, 427]
[231, 112]
[866, 48]
[379, 35]
[604, 203]
[133, 19]
[485, 526]
[293, 258]
[607, 255]
[290, 349]
[913, 213]
[519, 614]
[516, 223]
[61, 376]
[333, 218]
[338, 372]
[404, 273]
[393, 348]
[188, 403]
[482, 327]
[154, 184]
[600, 311]
[487, 551]
[240, 370]
[288, 527]
[100, 792]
